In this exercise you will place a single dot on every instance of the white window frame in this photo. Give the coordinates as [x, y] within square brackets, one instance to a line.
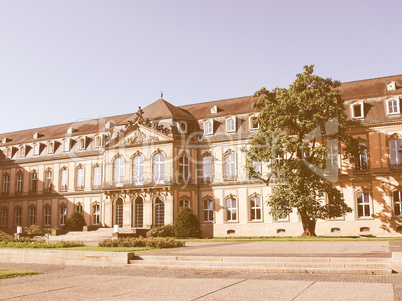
[50, 147]
[48, 180]
[366, 212]
[18, 216]
[362, 159]
[62, 214]
[33, 181]
[22, 151]
[66, 145]
[118, 171]
[36, 149]
[80, 178]
[231, 211]
[82, 143]
[229, 161]
[397, 202]
[184, 168]
[99, 141]
[395, 153]
[395, 107]
[256, 208]
[184, 202]
[47, 212]
[352, 110]
[9, 152]
[32, 215]
[138, 169]
[64, 179]
[251, 124]
[208, 127]
[20, 181]
[207, 168]
[97, 177]
[6, 183]
[208, 210]
[4, 217]
[96, 214]
[158, 161]
[231, 124]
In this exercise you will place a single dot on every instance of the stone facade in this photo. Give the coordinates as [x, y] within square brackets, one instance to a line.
[138, 170]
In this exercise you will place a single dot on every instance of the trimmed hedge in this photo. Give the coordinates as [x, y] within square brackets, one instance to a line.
[187, 224]
[75, 222]
[152, 242]
[162, 231]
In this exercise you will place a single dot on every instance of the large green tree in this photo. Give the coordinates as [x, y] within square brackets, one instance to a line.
[301, 130]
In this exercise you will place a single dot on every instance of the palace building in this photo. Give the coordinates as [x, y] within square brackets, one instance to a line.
[138, 170]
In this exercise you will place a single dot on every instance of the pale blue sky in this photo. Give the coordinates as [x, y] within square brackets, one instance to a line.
[68, 60]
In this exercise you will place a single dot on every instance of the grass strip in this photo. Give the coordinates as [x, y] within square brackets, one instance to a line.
[5, 273]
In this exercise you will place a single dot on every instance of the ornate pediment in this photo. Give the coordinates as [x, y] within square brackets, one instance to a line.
[139, 134]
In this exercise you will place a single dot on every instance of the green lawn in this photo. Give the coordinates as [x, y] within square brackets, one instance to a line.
[292, 238]
[4, 273]
[106, 249]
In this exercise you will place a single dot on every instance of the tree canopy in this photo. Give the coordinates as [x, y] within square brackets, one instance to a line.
[301, 130]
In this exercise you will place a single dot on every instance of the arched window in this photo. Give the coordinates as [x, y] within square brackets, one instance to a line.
[231, 209]
[96, 214]
[62, 215]
[207, 168]
[395, 147]
[159, 211]
[138, 212]
[33, 181]
[184, 169]
[48, 180]
[398, 203]
[64, 179]
[20, 180]
[6, 183]
[138, 170]
[31, 215]
[184, 202]
[79, 208]
[79, 178]
[208, 210]
[159, 168]
[361, 163]
[47, 216]
[255, 208]
[119, 171]
[118, 213]
[230, 165]
[18, 216]
[363, 204]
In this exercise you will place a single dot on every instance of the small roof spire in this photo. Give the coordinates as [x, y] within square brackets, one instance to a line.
[161, 95]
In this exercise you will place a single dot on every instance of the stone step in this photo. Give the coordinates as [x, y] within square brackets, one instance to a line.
[268, 269]
[339, 265]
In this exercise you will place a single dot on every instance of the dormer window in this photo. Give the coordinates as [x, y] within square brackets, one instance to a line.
[9, 152]
[108, 125]
[70, 130]
[50, 147]
[231, 124]
[36, 148]
[357, 110]
[4, 140]
[66, 145]
[208, 127]
[99, 141]
[22, 151]
[182, 127]
[391, 86]
[393, 106]
[214, 109]
[81, 143]
[35, 135]
[253, 122]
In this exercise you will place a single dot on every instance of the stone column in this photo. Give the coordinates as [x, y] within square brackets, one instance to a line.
[127, 211]
[169, 209]
[147, 211]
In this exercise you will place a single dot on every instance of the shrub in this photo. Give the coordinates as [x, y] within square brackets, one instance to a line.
[152, 242]
[75, 222]
[187, 224]
[162, 231]
[34, 229]
[5, 237]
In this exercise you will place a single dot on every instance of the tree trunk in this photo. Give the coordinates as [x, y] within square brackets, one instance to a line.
[308, 225]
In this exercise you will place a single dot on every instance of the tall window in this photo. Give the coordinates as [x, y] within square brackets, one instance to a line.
[96, 177]
[36, 149]
[33, 185]
[62, 215]
[32, 215]
[184, 203]
[80, 178]
[231, 209]
[48, 180]
[138, 212]
[363, 205]
[50, 147]
[332, 156]
[255, 208]
[81, 143]
[159, 168]
[64, 179]
[207, 168]
[98, 141]
[22, 151]
[138, 170]
[4, 217]
[18, 216]
[184, 169]
[159, 212]
[230, 166]
[119, 171]
[118, 213]
[79, 208]
[46, 216]
[398, 203]
[395, 147]
[208, 210]
[96, 214]
[6, 183]
[20, 179]
[361, 163]
[66, 145]
[208, 127]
